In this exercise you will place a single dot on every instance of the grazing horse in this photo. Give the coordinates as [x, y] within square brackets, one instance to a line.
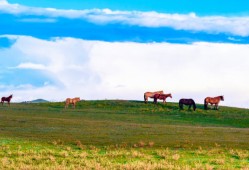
[7, 99]
[213, 100]
[150, 95]
[161, 97]
[71, 101]
[188, 102]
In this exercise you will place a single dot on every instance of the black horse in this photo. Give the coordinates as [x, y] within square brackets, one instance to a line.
[7, 99]
[188, 102]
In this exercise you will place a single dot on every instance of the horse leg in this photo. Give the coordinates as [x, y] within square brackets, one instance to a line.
[155, 100]
[181, 106]
[145, 99]
[189, 107]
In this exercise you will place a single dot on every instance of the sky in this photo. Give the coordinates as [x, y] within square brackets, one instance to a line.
[99, 50]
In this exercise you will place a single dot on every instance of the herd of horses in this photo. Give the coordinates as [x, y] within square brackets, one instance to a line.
[189, 102]
[158, 95]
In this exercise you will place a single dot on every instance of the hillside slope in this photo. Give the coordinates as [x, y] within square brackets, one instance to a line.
[109, 122]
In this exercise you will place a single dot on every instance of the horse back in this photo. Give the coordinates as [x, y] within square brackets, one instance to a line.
[68, 100]
[153, 93]
[186, 101]
[212, 100]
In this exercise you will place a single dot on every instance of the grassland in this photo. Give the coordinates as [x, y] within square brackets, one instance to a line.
[122, 135]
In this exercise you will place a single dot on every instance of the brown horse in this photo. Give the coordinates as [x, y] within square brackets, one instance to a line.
[161, 97]
[213, 100]
[150, 95]
[71, 101]
[7, 99]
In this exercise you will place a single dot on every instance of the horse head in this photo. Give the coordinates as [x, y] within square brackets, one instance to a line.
[222, 98]
[170, 95]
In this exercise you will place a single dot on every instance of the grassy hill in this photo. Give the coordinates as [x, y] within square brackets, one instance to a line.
[161, 133]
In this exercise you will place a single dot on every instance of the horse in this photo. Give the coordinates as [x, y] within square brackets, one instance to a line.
[188, 102]
[6, 99]
[161, 97]
[71, 101]
[150, 95]
[213, 100]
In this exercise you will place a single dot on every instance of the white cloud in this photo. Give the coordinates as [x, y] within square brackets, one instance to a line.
[31, 66]
[105, 70]
[191, 22]
[3, 2]
[38, 20]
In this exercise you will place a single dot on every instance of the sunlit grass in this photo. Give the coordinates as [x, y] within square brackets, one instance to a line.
[20, 154]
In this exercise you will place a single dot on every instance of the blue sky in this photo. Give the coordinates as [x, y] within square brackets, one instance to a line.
[118, 50]
[206, 7]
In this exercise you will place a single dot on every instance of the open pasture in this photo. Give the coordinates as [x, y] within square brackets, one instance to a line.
[123, 135]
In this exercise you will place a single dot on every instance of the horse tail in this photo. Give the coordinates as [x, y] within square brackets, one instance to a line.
[194, 105]
[145, 98]
[205, 104]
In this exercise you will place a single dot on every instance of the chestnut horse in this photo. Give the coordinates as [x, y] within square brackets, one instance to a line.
[7, 99]
[188, 102]
[161, 97]
[71, 101]
[150, 95]
[213, 100]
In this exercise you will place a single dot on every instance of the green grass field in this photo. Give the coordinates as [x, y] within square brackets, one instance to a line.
[119, 134]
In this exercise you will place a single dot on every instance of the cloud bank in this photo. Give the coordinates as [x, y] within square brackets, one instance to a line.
[237, 25]
[69, 67]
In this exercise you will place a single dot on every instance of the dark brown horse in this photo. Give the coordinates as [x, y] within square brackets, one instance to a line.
[161, 97]
[7, 99]
[213, 100]
[150, 95]
[188, 102]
